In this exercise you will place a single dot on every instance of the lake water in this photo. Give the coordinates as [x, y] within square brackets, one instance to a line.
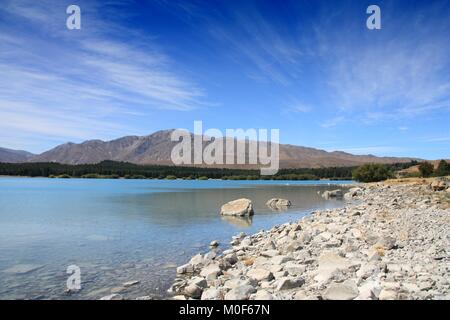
[124, 230]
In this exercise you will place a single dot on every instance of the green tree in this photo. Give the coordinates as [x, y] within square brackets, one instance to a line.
[443, 169]
[372, 173]
[426, 169]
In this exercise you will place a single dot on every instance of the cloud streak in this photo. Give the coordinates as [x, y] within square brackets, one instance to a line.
[77, 84]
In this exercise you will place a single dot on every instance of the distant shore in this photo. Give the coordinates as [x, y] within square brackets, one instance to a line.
[390, 242]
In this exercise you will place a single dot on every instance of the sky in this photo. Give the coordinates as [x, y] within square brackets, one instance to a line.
[311, 69]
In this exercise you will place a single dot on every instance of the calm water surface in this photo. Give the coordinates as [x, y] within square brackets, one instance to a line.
[123, 230]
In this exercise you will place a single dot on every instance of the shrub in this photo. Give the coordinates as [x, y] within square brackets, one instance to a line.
[426, 169]
[171, 177]
[443, 169]
[91, 176]
[203, 178]
[371, 173]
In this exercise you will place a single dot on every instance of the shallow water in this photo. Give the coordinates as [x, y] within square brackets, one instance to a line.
[123, 230]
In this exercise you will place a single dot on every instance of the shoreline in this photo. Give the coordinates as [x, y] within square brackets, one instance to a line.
[389, 242]
[177, 179]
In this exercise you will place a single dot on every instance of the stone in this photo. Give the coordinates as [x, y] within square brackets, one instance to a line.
[329, 262]
[212, 294]
[118, 289]
[211, 271]
[342, 291]
[263, 295]
[294, 268]
[260, 274]
[185, 268]
[300, 295]
[199, 282]
[333, 194]
[193, 291]
[197, 261]
[214, 243]
[211, 255]
[278, 260]
[294, 246]
[289, 283]
[352, 193]
[114, 296]
[231, 258]
[270, 253]
[144, 298]
[131, 283]
[369, 290]
[357, 233]
[239, 207]
[387, 294]
[439, 184]
[242, 292]
[386, 242]
[278, 204]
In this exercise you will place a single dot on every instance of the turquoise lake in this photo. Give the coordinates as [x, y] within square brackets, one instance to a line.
[125, 230]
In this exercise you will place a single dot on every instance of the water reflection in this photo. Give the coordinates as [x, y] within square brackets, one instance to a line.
[241, 222]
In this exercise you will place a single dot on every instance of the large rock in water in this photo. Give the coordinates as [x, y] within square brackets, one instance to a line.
[333, 194]
[277, 203]
[239, 207]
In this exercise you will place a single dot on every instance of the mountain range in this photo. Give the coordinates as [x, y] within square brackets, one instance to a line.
[156, 149]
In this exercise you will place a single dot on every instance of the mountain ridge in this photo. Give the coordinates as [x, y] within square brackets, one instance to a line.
[156, 149]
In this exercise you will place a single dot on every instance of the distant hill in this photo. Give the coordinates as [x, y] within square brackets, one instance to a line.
[9, 155]
[156, 149]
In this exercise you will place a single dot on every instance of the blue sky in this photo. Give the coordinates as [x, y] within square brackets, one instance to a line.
[309, 68]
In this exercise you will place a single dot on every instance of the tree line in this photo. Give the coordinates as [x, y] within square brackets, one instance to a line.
[113, 169]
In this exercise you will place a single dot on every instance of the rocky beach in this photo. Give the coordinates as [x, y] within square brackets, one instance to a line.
[391, 241]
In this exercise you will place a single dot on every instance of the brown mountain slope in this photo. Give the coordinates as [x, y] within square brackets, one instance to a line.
[9, 155]
[156, 149]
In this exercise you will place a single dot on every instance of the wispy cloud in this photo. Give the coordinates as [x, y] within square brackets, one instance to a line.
[400, 72]
[332, 122]
[77, 84]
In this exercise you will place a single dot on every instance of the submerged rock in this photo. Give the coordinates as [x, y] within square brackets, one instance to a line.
[23, 268]
[333, 194]
[278, 204]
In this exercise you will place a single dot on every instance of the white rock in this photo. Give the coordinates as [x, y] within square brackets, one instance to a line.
[289, 283]
[212, 294]
[278, 260]
[242, 292]
[260, 274]
[294, 268]
[239, 207]
[388, 294]
[131, 283]
[214, 243]
[263, 295]
[342, 291]
[114, 296]
[329, 262]
[211, 271]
